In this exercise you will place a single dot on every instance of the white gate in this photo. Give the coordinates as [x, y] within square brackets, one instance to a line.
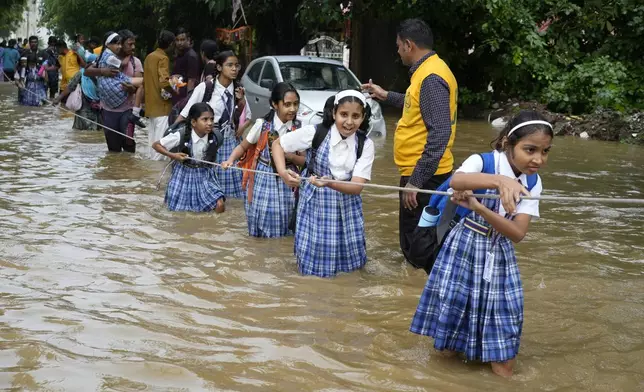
[327, 47]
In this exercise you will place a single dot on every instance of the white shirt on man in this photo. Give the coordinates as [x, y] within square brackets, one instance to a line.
[199, 144]
[474, 164]
[342, 152]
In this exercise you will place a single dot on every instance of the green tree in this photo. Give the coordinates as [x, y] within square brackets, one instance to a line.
[11, 15]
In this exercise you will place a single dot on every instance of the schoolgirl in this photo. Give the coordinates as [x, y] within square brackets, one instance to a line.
[329, 232]
[231, 112]
[269, 201]
[473, 300]
[35, 90]
[193, 186]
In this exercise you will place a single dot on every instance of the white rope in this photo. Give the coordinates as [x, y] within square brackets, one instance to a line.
[385, 187]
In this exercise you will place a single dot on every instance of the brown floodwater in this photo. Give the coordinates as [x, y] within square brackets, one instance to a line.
[102, 288]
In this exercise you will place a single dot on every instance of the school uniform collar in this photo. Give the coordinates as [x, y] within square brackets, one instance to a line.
[195, 138]
[220, 87]
[337, 138]
[278, 124]
[506, 169]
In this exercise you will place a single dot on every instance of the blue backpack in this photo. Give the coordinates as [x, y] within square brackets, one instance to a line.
[428, 236]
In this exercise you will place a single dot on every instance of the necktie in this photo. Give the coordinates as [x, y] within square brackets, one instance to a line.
[227, 114]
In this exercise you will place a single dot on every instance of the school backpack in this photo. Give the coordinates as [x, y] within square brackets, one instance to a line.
[428, 238]
[320, 134]
[215, 140]
[178, 107]
[251, 156]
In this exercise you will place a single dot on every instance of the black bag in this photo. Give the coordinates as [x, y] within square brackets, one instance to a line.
[320, 134]
[427, 241]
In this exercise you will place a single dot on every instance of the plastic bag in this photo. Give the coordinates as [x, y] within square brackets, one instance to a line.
[75, 99]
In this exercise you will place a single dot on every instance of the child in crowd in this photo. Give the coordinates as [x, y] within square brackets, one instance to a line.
[112, 90]
[473, 300]
[231, 112]
[269, 201]
[329, 232]
[193, 186]
[34, 85]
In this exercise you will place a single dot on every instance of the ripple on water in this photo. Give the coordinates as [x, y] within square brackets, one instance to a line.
[102, 288]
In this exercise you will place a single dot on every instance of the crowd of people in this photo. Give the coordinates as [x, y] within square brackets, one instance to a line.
[199, 118]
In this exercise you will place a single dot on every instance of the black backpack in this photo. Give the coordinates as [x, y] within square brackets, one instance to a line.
[320, 134]
[215, 140]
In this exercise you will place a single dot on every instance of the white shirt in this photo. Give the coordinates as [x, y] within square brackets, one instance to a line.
[256, 130]
[474, 164]
[342, 152]
[199, 144]
[216, 101]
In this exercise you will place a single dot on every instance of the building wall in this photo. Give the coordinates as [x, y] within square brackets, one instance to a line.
[31, 24]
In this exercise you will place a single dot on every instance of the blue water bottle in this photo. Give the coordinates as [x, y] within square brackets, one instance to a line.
[430, 217]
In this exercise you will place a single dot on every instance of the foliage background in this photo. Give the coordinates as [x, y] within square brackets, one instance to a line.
[575, 55]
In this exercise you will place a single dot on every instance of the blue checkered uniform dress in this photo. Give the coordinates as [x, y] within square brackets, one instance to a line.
[460, 310]
[329, 232]
[110, 90]
[270, 211]
[230, 180]
[194, 189]
[35, 89]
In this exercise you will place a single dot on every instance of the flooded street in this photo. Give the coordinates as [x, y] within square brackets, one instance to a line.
[103, 289]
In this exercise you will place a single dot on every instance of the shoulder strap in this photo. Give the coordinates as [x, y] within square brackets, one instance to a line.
[488, 167]
[488, 162]
[532, 181]
[186, 132]
[362, 138]
[320, 133]
[210, 88]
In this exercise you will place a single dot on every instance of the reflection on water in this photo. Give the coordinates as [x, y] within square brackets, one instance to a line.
[102, 288]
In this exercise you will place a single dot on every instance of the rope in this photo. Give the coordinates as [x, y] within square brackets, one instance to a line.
[378, 186]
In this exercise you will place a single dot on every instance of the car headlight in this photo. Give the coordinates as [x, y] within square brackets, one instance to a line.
[304, 110]
[376, 111]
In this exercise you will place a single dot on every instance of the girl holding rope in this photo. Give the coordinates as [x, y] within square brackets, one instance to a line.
[329, 230]
[269, 201]
[228, 100]
[193, 186]
[473, 300]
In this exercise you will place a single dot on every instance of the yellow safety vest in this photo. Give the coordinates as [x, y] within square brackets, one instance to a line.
[411, 135]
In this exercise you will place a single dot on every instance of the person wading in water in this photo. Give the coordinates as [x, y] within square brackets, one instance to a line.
[425, 133]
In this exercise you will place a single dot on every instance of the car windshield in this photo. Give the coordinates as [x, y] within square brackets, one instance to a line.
[308, 75]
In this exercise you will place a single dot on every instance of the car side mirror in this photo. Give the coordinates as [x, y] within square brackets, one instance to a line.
[267, 83]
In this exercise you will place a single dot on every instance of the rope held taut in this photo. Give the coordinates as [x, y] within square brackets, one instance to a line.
[379, 186]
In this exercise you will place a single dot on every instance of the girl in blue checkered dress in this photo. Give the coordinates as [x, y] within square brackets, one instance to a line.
[473, 300]
[34, 85]
[269, 201]
[193, 185]
[329, 233]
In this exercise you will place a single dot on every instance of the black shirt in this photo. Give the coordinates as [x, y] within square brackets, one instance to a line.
[186, 65]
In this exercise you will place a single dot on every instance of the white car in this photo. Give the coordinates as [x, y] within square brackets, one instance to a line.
[315, 78]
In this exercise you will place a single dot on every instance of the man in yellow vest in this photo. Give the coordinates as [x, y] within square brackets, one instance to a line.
[425, 133]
